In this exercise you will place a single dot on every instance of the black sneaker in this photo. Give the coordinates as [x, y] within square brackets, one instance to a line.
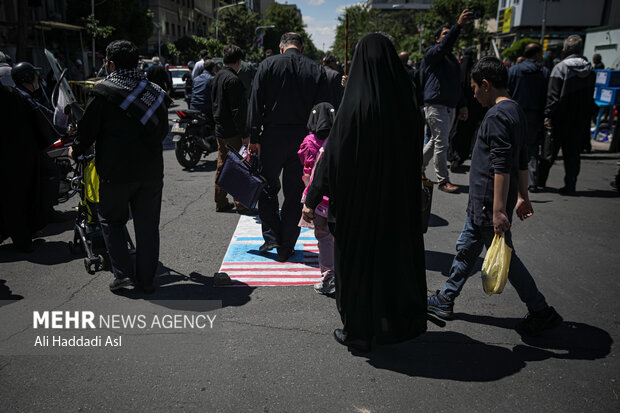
[440, 306]
[118, 283]
[268, 246]
[536, 322]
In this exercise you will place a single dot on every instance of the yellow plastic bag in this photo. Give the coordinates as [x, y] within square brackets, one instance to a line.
[496, 265]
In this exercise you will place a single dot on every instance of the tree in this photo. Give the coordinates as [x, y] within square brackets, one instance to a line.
[448, 11]
[237, 26]
[516, 49]
[286, 20]
[188, 47]
[128, 18]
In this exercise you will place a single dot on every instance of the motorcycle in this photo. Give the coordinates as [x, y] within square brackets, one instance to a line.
[193, 137]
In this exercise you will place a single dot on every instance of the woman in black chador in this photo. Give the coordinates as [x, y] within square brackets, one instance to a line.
[370, 172]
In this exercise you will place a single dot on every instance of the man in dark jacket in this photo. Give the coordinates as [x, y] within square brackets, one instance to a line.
[285, 89]
[127, 119]
[527, 84]
[158, 75]
[442, 95]
[570, 106]
[229, 113]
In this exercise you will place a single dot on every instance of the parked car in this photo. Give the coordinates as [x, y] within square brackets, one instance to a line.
[178, 84]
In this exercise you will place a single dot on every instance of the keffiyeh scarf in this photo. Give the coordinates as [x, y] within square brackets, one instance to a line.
[141, 99]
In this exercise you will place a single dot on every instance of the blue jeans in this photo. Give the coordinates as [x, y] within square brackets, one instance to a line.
[469, 246]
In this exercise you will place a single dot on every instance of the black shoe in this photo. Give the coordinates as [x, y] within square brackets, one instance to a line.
[362, 346]
[567, 191]
[225, 208]
[118, 283]
[247, 211]
[268, 246]
[440, 306]
[285, 254]
[536, 322]
[534, 189]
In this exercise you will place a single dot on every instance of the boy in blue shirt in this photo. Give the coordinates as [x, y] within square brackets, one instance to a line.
[498, 185]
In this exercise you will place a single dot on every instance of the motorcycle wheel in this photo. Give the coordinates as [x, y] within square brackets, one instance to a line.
[187, 153]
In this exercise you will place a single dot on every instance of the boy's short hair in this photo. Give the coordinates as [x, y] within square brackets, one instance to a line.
[123, 53]
[491, 69]
[232, 54]
[532, 50]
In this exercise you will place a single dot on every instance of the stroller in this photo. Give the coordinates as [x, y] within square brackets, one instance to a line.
[87, 233]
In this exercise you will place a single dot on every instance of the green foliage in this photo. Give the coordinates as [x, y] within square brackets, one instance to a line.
[286, 20]
[448, 12]
[95, 30]
[189, 47]
[516, 49]
[129, 19]
[237, 26]
[402, 25]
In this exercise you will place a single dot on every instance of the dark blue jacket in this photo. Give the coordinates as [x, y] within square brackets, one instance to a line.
[201, 93]
[442, 74]
[527, 84]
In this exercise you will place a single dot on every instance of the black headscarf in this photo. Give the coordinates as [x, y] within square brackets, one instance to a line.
[371, 173]
[321, 120]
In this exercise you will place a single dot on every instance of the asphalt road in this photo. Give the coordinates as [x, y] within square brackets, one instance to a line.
[271, 349]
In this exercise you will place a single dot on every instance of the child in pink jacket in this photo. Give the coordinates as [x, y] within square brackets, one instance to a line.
[319, 124]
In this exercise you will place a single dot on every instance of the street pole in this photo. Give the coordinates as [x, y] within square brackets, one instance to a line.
[92, 10]
[544, 23]
[217, 17]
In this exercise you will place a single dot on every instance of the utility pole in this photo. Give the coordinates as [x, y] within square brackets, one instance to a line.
[544, 22]
[92, 11]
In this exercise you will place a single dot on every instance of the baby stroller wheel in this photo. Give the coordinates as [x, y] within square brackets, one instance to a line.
[93, 265]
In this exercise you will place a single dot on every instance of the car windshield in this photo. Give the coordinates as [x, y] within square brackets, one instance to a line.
[177, 72]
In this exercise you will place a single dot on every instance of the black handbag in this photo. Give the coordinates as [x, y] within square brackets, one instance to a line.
[241, 179]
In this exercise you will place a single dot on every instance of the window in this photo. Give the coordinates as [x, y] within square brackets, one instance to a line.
[173, 30]
[167, 28]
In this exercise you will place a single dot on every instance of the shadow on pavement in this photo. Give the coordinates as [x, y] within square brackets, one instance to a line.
[455, 356]
[203, 166]
[574, 341]
[437, 221]
[174, 288]
[442, 261]
[599, 193]
[6, 295]
[45, 253]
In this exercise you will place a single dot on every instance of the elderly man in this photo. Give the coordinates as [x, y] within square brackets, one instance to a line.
[570, 106]
[5, 72]
[158, 75]
[285, 89]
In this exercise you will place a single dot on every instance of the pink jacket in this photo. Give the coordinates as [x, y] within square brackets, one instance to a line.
[309, 154]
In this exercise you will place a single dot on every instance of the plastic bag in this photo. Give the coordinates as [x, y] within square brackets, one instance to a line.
[496, 265]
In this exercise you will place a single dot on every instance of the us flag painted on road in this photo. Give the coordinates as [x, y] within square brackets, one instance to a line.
[246, 266]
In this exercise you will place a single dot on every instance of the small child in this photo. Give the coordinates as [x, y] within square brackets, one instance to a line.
[497, 187]
[319, 124]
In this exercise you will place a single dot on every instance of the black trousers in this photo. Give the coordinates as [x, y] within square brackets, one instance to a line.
[279, 148]
[144, 199]
[571, 149]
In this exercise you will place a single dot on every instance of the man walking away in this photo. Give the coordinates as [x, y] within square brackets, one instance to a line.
[200, 63]
[527, 85]
[442, 95]
[158, 75]
[285, 89]
[497, 186]
[127, 119]
[570, 106]
[229, 113]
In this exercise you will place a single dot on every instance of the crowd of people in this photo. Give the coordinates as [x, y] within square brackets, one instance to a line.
[331, 144]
